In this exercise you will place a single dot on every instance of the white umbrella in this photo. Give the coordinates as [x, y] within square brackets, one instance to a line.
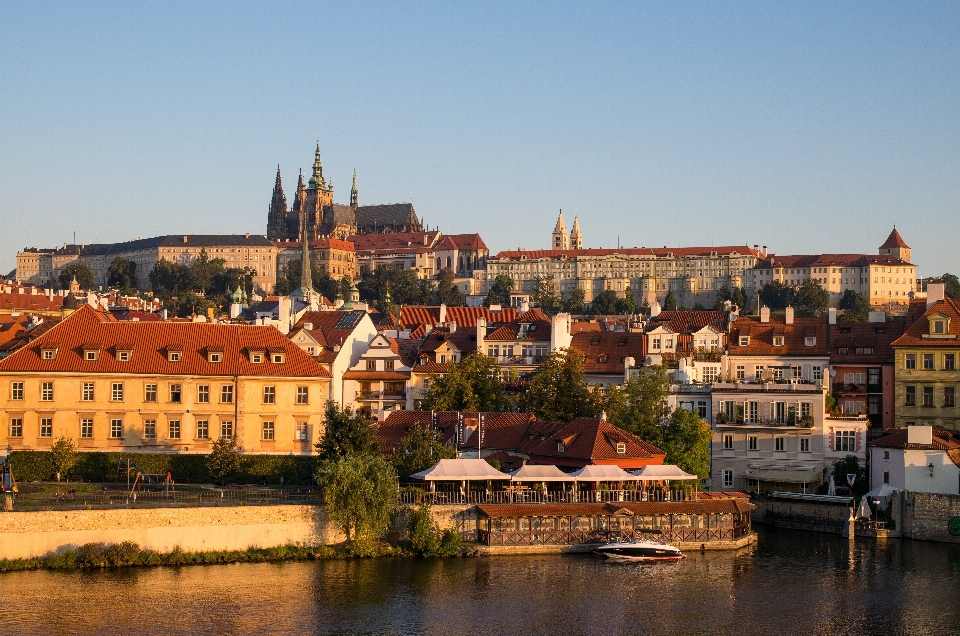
[864, 511]
[832, 490]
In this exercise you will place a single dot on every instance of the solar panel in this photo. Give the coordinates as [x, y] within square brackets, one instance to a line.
[350, 320]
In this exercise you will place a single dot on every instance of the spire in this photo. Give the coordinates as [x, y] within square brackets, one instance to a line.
[276, 216]
[353, 191]
[576, 239]
[560, 227]
[306, 275]
[560, 240]
[316, 180]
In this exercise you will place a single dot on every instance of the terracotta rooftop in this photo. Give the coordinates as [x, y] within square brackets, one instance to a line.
[604, 351]
[592, 440]
[734, 250]
[862, 336]
[700, 506]
[689, 321]
[915, 332]
[894, 240]
[794, 337]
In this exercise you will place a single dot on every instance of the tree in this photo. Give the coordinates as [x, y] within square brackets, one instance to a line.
[739, 298]
[80, 271]
[776, 295]
[404, 287]
[170, 278]
[812, 297]
[558, 392]
[360, 491]
[670, 302]
[686, 441]
[951, 285]
[627, 304]
[223, 461]
[545, 295]
[470, 385]
[499, 293]
[323, 283]
[446, 292]
[426, 538]
[420, 450]
[63, 456]
[122, 273]
[644, 411]
[605, 303]
[346, 433]
[723, 295]
[850, 465]
[574, 301]
[855, 307]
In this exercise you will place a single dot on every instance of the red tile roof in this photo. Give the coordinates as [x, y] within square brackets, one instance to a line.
[914, 334]
[894, 240]
[689, 321]
[377, 375]
[325, 326]
[852, 336]
[461, 242]
[463, 316]
[151, 340]
[393, 241]
[604, 351]
[794, 337]
[590, 440]
[733, 250]
[30, 302]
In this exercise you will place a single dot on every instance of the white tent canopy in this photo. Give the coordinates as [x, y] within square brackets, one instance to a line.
[666, 472]
[460, 470]
[603, 472]
[882, 494]
[535, 472]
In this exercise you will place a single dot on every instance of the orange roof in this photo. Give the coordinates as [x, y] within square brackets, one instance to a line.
[152, 340]
[393, 241]
[894, 240]
[794, 337]
[689, 321]
[593, 440]
[914, 335]
[604, 351]
[461, 242]
[743, 250]
[28, 302]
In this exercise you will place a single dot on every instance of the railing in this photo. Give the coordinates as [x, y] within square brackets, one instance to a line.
[576, 537]
[148, 499]
[411, 497]
[740, 421]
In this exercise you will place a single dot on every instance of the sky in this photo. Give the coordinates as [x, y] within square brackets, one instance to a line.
[809, 127]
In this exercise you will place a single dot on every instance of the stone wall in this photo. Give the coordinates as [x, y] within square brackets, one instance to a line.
[926, 516]
[818, 517]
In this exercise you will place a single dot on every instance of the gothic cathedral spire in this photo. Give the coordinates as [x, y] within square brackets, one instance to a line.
[353, 192]
[277, 214]
[560, 240]
[576, 239]
[316, 180]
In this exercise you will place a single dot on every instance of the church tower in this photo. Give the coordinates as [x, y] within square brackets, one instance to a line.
[576, 239]
[277, 215]
[319, 194]
[560, 240]
[353, 192]
[896, 246]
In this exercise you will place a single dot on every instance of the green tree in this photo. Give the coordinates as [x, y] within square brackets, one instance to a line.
[812, 297]
[346, 433]
[855, 307]
[670, 302]
[776, 295]
[122, 274]
[201, 273]
[558, 392]
[427, 540]
[739, 298]
[223, 462]
[686, 441]
[403, 284]
[723, 295]
[850, 465]
[644, 410]
[574, 302]
[77, 270]
[63, 456]
[546, 296]
[360, 491]
[170, 278]
[470, 385]
[499, 293]
[190, 303]
[951, 285]
[420, 450]
[605, 303]
[446, 293]
[627, 304]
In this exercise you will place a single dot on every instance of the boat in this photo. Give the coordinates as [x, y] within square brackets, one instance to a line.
[640, 550]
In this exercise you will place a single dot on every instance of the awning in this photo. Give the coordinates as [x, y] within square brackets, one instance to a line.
[788, 476]
[535, 472]
[460, 470]
[666, 472]
[603, 472]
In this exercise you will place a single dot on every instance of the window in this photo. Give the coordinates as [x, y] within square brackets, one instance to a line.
[810, 341]
[301, 434]
[780, 444]
[621, 448]
[46, 391]
[86, 428]
[939, 326]
[845, 441]
[752, 412]
[150, 393]
[46, 427]
[848, 378]
[176, 393]
[910, 361]
[16, 390]
[256, 358]
[728, 479]
[173, 356]
[778, 341]
[269, 395]
[753, 443]
[203, 394]
[116, 391]
[116, 428]
[842, 351]
[91, 354]
[268, 431]
[16, 427]
[123, 356]
[928, 396]
[728, 442]
[277, 358]
[949, 396]
[226, 429]
[744, 342]
[388, 365]
[886, 477]
[174, 429]
[711, 374]
[873, 376]
[864, 351]
[226, 394]
[910, 397]
[758, 372]
[87, 392]
[203, 429]
[371, 365]
[777, 373]
[886, 454]
[804, 444]
[779, 412]
[561, 447]
[49, 354]
[303, 394]
[150, 429]
[214, 357]
[949, 361]
[493, 351]
[928, 361]
[741, 372]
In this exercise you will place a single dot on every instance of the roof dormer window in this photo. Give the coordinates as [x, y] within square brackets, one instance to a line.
[256, 358]
[778, 341]
[938, 326]
[123, 356]
[810, 341]
[561, 447]
[91, 355]
[48, 354]
[174, 353]
[214, 357]
[744, 341]
[621, 448]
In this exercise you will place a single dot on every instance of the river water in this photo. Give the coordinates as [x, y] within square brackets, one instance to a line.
[791, 583]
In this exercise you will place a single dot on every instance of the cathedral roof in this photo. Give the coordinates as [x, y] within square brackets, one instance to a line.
[386, 216]
[337, 214]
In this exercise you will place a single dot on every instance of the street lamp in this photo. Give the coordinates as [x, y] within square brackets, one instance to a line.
[931, 468]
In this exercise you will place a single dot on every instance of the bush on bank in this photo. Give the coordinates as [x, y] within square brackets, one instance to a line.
[111, 467]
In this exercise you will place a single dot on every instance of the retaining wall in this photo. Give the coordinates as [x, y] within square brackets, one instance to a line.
[816, 517]
[927, 516]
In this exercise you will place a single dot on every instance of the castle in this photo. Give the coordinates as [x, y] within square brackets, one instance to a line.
[314, 212]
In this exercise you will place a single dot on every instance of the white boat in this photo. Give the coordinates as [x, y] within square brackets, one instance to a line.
[640, 550]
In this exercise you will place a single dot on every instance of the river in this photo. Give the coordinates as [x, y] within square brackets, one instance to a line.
[791, 583]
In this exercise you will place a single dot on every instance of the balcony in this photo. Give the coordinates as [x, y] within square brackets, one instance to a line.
[721, 419]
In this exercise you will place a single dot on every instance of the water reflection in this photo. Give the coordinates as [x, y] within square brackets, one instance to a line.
[791, 583]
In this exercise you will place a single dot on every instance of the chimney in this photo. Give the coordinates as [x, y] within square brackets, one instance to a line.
[443, 313]
[308, 326]
[164, 314]
[524, 306]
[283, 313]
[877, 316]
[655, 309]
[248, 234]
[920, 435]
[764, 252]
[788, 318]
[934, 293]
[832, 316]
[481, 333]
[765, 314]
[453, 326]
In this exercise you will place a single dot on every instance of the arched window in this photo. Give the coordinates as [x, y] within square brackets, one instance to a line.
[448, 261]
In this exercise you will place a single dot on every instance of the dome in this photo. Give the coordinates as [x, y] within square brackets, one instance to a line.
[70, 302]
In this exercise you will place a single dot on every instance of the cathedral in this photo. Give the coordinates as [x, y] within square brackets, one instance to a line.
[314, 212]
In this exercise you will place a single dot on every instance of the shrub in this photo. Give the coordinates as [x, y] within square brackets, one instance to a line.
[451, 543]
[423, 534]
[92, 555]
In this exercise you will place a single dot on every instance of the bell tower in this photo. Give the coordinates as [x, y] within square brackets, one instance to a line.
[560, 240]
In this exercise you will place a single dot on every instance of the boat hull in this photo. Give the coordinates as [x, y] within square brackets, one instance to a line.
[639, 552]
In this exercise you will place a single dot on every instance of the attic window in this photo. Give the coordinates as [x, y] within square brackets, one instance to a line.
[621, 448]
[256, 358]
[174, 356]
[938, 326]
[842, 351]
[561, 447]
[214, 357]
[810, 341]
[91, 354]
[744, 341]
[276, 358]
[778, 341]
[532, 328]
[602, 358]
[124, 355]
[48, 354]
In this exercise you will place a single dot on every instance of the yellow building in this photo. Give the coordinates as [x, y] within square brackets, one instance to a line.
[162, 386]
[927, 376]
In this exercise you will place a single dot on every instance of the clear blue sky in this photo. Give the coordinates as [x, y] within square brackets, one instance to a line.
[808, 127]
